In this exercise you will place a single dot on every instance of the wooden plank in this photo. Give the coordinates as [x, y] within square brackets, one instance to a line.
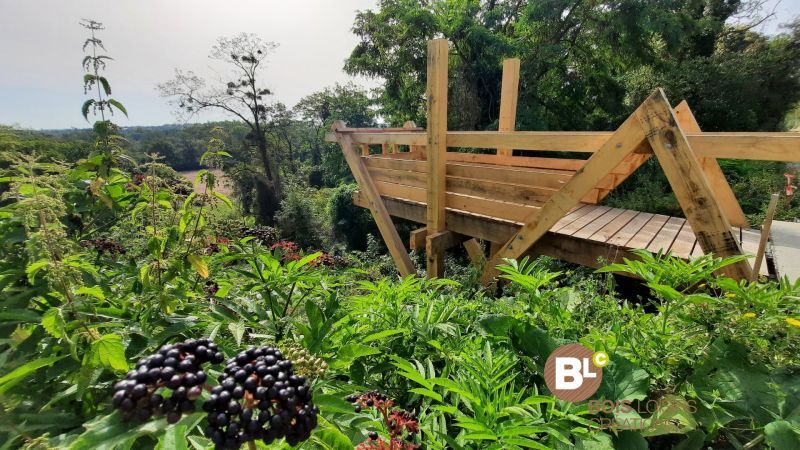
[627, 138]
[506, 192]
[530, 140]
[417, 239]
[612, 227]
[666, 235]
[509, 92]
[631, 229]
[553, 179]
[519, 161]
[716, 179]
[584, 220]
[376, 205]
[684, 242]
[748, 145]
[688, 182]
[737, 145]
[645, 235]
[438, 53]
[481, 227]
[550, 179]
[762, 243]
[756, 146]
[571, 216]
[443, 240]
[580, 251]
[600, 222]
[476, 205]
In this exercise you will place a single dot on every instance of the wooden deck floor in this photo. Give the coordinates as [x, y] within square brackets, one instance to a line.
[628, 229]
[589, 235]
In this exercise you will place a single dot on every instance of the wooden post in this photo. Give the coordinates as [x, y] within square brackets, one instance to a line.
[628, 137]
[437, 149]
[509, 93]
[364, 150]
[376, 206]
[689, 183]
[765, 229]
[716, 179]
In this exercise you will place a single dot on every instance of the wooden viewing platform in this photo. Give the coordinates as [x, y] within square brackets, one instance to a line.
[551, 205]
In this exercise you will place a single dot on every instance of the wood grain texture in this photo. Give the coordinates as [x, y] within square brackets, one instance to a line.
[625, 140]
[716, 179]
[438, 50]
[689, 183]
[509, 93]
[376, 206]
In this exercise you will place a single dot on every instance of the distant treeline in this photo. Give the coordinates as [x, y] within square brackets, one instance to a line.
[179, 145]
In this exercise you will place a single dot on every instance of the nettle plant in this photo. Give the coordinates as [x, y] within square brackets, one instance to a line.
[109, 143]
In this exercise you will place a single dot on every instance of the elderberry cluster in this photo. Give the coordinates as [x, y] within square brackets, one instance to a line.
[259, 397]
[174, 368]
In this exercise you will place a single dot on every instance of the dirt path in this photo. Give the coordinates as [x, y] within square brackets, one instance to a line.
[223, 184]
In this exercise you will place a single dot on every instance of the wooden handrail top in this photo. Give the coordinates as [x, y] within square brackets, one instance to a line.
[778, 146]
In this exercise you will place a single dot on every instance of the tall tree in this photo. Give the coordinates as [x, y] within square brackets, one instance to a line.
[318, 110]
[243, 97]
[584, 62]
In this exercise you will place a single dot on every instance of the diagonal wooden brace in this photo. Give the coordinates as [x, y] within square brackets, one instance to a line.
[376, 206]
[689, 183]
[628, 137]
[716, 179]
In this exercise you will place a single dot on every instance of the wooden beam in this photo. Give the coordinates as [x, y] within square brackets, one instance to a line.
[417, 239]
[716, 179]
[463, 223]
[688, 182]
[622, 143]
[376, 206]
[765, 230]
[438, 53]
[509, 93]
[567, 248]
[759, 146]
[364, 150]
[443, 240]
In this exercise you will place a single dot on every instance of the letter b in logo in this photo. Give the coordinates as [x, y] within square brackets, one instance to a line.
[571, 374]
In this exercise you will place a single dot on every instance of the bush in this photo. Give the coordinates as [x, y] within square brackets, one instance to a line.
[351, 224]
[303, 217]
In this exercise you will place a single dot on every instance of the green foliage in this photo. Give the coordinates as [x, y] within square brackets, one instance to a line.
[350, 224]
[583, 67]
[303, 217]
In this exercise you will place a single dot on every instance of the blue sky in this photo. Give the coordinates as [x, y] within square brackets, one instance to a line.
[40, 75]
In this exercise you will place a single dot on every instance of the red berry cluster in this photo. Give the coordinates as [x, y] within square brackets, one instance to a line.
[104, 246]
[400, 425]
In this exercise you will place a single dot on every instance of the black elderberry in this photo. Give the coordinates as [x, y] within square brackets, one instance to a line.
[175, 367]
[260, 400]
